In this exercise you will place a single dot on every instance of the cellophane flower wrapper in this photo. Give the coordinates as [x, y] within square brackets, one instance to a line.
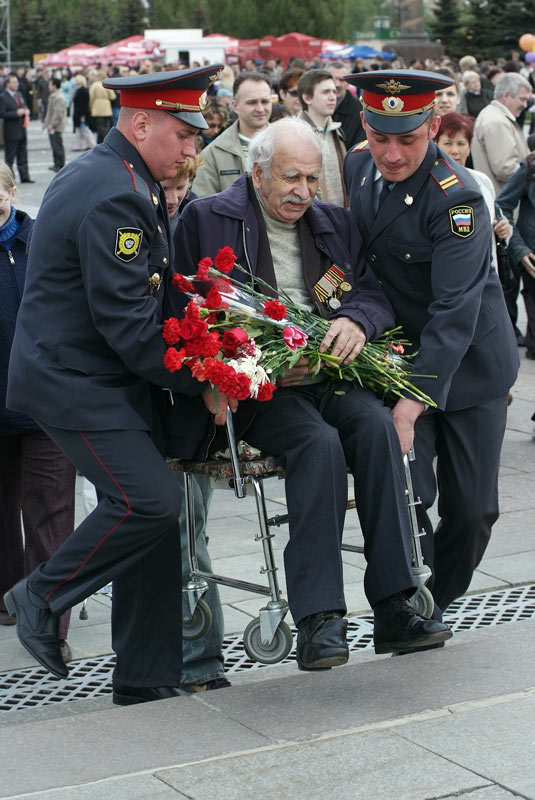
[241, 340]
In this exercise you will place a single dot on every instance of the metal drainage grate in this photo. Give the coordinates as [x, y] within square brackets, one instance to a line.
[35, 687]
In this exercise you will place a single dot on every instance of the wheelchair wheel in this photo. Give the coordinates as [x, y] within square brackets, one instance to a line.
[422, 602]
[200, 623]
[272, 653]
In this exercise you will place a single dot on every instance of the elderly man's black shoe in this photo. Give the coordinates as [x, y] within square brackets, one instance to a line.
[37, 629]
[321, 641]
[124, 695]
[397, 627]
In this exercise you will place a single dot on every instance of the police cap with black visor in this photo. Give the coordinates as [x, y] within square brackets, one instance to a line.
[398, 101]
[181, 93]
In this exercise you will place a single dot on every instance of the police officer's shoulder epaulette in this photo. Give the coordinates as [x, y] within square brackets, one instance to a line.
[445, 177]
[361, 146]
[138, 183]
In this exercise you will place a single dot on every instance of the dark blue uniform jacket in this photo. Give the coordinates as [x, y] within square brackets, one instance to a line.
[88, 341]
[436, 272]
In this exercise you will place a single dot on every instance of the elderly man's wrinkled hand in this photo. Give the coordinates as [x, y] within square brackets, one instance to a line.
[293, 376]
[219, 410]
[348, 337]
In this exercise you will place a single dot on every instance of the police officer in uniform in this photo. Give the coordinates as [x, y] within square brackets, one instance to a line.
[87, 363]
[427, 235]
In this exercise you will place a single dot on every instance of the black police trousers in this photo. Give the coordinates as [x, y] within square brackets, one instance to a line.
[132, 538]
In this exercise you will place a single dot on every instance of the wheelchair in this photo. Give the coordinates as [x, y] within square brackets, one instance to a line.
[267, 639]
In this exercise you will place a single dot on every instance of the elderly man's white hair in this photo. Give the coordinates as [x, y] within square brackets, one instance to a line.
[510, 83]
[262, 147]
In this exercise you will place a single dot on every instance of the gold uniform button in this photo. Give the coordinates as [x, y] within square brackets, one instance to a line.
[154, 199]
[373, 257]
[164, 260]
[159, 229]
[407, 256]
[131, 166]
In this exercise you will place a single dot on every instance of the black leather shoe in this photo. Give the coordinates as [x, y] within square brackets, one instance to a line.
[37, 629]
[321, 641]
[398, 627]
[419, 649]
[27, 180]
[124, 695]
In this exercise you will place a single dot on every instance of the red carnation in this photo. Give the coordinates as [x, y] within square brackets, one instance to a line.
[197, 369]
[233, 339]
[192, 310]
[214, 369]
[181, 283]
[207, 345]
[225, 259]
[173, 359]
[235, 384]
[203, 268]
[397, 348]
[274, 309]
[192, 328]
[265, 392]
[214, 300]
[171, 331]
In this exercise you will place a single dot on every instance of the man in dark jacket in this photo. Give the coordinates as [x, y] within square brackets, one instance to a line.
[87, 365]
[280, 235]
[16, 115]
[348, 107]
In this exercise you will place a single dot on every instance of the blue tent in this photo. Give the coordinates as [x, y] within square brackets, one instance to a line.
[352, 51]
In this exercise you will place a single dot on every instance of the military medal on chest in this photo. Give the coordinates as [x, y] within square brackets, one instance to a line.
[330, 287]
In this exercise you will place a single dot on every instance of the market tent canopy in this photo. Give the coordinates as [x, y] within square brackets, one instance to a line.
[352, 51]
[129, 51]
[294, 44]
[78, 55]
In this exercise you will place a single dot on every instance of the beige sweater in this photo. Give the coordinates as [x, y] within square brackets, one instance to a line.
[498, 145]
[99, 100]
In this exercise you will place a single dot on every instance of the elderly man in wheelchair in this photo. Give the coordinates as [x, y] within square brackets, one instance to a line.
[290, 240]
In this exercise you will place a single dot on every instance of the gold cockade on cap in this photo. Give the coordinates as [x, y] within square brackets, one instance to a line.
[393, 104]
[392, 86]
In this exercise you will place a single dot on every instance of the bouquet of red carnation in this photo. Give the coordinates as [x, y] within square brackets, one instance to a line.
[240, 340]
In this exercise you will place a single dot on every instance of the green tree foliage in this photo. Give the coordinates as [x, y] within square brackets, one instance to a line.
[494, 27]
[447, 25]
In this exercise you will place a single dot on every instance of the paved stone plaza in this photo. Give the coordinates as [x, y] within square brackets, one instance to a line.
[439, 724]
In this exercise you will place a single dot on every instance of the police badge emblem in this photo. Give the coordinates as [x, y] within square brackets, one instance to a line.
[462, 221]
[128, 243]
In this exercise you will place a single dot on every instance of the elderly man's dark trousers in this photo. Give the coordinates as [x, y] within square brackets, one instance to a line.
[316, 434]
[131, 538]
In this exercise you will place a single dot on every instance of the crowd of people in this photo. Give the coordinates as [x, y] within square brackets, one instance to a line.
[414, 180]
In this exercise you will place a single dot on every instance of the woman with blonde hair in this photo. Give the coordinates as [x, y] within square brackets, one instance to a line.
[100, 105]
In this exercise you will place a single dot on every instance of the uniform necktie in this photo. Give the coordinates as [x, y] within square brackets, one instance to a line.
[381, 193]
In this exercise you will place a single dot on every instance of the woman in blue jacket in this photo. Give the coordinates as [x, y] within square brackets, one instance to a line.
[36, 479]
